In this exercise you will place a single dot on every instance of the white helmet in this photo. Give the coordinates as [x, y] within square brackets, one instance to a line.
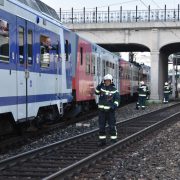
[142, 82]
[108, 77]
[166, 83]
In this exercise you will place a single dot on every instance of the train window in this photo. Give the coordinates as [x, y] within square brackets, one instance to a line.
[93, 65]
[67, 50]
[57, 47]
[98, 66]
[4, 41]
[116, 69]
[21, 45]
[30, 50]
[107, 67]
[104, 67]
[88, 66]
[110, 65]
[107, 64]
[45, 42]
[81, 55]
[44, 50]
[120, 72]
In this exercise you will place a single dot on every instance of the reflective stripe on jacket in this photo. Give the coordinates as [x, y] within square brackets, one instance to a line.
[108, 97]
[143, 90]
[167, 89]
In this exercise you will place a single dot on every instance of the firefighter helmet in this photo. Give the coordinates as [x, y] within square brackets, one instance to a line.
[166, 83]
[108, 77]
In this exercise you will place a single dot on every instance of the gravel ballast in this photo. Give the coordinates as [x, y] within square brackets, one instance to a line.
[155, 157]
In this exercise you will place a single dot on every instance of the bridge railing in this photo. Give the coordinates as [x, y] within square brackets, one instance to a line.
[116, 16]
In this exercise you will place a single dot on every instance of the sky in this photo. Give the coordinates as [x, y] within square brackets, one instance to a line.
[113, 4]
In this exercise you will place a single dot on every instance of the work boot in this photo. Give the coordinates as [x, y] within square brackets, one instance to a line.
[143, 108]
[137, 106]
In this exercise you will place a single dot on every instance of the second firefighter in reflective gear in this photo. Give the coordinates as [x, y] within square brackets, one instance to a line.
[108, 102]
[167, 92]
[142, 95]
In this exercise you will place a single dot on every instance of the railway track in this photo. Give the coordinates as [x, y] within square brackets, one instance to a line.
[14, 140]
[63, 160]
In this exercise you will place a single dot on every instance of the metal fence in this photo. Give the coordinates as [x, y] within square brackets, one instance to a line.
[108, 16]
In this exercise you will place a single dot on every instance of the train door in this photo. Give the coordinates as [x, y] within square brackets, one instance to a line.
[68, 58]
[99, 73]
[25, 67]
[8, 91]
[98, 69]
[117, 76]
[132, 79]
[115, 67]
[58, 69]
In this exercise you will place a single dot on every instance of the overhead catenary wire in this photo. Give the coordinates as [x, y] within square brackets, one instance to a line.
[125, 2]
[106, 6]
[130, 1]
[170, 30]
[156, 4]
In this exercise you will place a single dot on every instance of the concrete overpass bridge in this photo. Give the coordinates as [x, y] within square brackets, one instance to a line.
[160, 37]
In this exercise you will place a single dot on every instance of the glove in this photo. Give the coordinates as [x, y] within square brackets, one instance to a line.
[99, 88]
[113, 107]
[100, 85]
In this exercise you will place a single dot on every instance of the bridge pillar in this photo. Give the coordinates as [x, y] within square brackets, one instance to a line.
[155, 79]
[159, 74]
[163, 71]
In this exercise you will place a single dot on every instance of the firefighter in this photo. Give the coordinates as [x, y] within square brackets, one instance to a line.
[167, 92]
[108, 102]
[142, 95]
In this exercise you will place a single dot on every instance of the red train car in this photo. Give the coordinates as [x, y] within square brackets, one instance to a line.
[83, 84]
[90, 63]
[130, 74]
[124, 76]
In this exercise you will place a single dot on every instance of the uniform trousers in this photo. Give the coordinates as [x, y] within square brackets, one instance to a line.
[142, 101]
[109, 117]
[166, 97]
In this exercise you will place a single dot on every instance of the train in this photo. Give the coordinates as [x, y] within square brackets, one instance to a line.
[47, 71]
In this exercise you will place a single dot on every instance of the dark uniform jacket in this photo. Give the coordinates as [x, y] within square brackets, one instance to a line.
[167, 89]
[108, 97]
[143, 90]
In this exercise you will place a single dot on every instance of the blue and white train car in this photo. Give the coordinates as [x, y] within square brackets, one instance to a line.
[35, 78]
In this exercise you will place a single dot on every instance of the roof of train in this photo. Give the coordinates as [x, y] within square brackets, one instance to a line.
[40, 7]
[96, 45]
